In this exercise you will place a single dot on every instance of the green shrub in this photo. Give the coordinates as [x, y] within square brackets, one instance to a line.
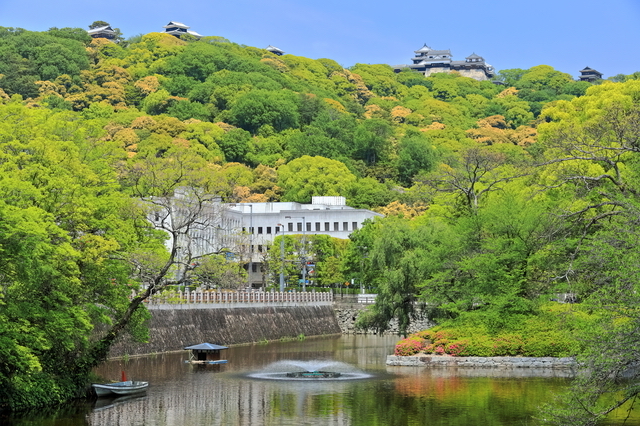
[409, 346]
[478, 346]
[553, 330]
[508, 345]
[456, 348]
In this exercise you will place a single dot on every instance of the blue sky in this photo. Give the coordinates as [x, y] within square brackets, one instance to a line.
[566, 34]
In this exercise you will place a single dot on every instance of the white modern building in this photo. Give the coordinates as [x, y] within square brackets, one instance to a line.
[262, 222]
[204, 225]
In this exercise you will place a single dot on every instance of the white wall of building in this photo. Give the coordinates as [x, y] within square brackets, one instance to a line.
[248, 229]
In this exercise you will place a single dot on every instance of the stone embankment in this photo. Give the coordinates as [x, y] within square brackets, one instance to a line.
[503, 362]
[173, 329]
[347, 309]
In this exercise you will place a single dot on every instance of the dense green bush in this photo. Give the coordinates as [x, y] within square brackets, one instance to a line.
[552, 331]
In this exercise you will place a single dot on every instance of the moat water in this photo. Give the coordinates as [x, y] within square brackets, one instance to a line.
[243, 392]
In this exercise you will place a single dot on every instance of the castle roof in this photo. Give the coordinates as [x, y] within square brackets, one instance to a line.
[106, 28]
[429, 60]
[178, 28]
[590, 71]
[274, 49]
[176, 24]
[440, 52]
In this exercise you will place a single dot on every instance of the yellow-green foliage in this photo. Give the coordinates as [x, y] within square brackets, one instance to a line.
[554, 331]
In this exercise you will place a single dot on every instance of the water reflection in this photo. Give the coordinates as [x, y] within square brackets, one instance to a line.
[187, 394]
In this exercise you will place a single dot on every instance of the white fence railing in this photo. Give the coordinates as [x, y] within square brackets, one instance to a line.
[367, 299]
[198, 297]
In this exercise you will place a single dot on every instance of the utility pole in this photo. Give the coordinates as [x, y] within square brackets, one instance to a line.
[282, 258]
[250, 265]
[304, 252]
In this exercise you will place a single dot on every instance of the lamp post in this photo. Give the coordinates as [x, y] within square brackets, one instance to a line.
[362, 257]
[282, 258]
[304, 252]
[250, 266]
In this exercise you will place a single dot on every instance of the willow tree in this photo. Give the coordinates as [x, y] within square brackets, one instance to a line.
[593, 149]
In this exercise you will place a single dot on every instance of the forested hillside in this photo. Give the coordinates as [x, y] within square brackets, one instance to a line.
[497, 195]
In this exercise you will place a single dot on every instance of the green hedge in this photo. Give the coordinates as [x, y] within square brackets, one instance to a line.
[553, 330]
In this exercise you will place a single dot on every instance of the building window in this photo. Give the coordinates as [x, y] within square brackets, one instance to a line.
[355, 225]
[308, 226]
[268, 229]
[317, 226]
[345, 226]
[326, 227]
[336, 226]
[254, 267]
[259, 229]
[290, 227]
[251, 230]
[259, 248]
[277, 229]
[299, 226]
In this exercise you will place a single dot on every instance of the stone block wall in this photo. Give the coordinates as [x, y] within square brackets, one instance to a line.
[172, 330]
[347, 315]
[481, 362]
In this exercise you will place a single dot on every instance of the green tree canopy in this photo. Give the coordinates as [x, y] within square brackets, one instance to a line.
[307, 176]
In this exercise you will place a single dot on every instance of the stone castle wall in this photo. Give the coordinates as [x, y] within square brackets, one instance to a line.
[173, 329]
[475, 73]
[347, 315]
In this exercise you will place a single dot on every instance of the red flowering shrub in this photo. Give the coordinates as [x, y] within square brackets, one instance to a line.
[409, 346]
[455, 349]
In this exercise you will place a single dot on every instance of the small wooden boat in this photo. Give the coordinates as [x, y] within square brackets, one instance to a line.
[120, 388]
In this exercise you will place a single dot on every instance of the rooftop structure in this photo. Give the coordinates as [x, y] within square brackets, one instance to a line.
[206, 353]
[102, 32]
[275, 50]
[178, 28]
[429, 61]
[589, 74]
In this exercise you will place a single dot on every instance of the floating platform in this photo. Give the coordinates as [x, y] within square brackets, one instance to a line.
[314, 374]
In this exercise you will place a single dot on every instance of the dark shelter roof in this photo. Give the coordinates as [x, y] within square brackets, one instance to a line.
[206, 347]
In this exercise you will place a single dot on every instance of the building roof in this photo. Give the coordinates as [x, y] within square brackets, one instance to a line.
[274, 49]
[440, 52]
[205, 347]
[423, 49]
[474, 56]
[106, 28]
[176, 24]
[590, 70]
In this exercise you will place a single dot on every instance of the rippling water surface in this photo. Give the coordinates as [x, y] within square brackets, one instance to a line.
[238, 393]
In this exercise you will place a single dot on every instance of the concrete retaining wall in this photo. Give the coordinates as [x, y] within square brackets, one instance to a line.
[173, 329]
[484, 362]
